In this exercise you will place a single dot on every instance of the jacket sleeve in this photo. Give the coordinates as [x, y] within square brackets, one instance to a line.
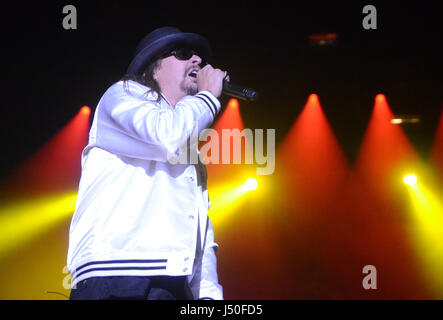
[128, 124]
[209, 288]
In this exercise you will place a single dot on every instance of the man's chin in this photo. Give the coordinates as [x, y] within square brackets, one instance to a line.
[191, 90]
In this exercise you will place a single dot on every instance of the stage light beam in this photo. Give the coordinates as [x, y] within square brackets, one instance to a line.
[22, 221]
[226, 128]
[427, 233]
[312, 164]
[385, 148]
[56, 166]
[227, 198]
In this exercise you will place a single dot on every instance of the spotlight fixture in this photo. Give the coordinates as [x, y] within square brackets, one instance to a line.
[410, 179]
[250, 184]
[323, 39]
[405, 118]
[85, 110]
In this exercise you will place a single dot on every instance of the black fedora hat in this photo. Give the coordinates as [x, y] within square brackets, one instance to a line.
[161, 40]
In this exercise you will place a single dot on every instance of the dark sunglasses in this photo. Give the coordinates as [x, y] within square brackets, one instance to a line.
[184, 54]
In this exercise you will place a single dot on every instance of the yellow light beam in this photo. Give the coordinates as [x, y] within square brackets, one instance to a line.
[226, 198]
[427, 229]
[21, 222]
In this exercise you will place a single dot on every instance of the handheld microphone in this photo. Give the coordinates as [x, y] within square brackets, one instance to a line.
[239, 92]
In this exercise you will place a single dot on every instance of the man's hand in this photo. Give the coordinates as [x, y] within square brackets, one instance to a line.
[211, 79]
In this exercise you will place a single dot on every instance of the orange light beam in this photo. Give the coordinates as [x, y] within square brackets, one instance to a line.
[56, 166]
[312, 169]
[385, 149]
[311, 159]
[231, 137]
[384, 155]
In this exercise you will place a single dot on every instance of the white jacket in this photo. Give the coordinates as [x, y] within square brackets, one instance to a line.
[136, 213]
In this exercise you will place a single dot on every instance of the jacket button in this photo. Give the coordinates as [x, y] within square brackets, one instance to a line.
[187, 259]
[185, 269]
[191, 217]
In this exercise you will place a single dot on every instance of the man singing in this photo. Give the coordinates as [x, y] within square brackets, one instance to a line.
[140, 229]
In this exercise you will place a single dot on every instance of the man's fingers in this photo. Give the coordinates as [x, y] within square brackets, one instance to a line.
[211, 79]
[208, 66]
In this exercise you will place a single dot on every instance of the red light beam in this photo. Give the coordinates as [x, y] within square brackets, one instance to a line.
[310, 157]
[232, 144]
[57, 165]
[384, 151]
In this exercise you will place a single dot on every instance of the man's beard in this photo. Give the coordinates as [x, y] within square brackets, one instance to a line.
[189, 89]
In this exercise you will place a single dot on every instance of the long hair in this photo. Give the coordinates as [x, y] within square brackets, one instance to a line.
[146, 79]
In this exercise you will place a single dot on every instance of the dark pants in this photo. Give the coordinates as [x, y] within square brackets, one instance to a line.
[132, 288]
